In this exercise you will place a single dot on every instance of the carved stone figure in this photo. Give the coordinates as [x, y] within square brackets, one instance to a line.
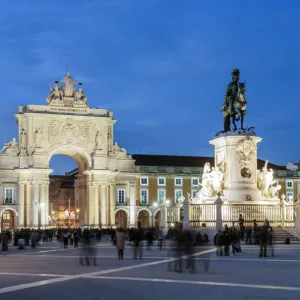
[23, 139]
[234, 107]
[98, 141]
[68, 89]
[11, 147]
[109, 140]
[245, 148]
[265, 181]
[80, 96]
[212, 180]
[38, 138]
[55, 95]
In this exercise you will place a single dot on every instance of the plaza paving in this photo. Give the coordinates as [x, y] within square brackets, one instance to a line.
[50, 272]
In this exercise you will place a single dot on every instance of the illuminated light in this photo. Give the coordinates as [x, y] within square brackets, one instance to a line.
[154, 204]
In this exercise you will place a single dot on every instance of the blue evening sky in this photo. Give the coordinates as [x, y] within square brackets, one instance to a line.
[161, 66]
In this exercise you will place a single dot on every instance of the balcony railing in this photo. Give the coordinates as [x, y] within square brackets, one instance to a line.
[8, 201]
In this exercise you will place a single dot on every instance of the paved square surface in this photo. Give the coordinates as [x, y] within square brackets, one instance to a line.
[50, 272]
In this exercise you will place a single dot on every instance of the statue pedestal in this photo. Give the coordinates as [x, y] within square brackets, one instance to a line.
[238, 155]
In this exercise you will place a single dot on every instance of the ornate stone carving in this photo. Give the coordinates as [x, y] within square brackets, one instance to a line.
[98, 141]
[265, 181]
[38, 138]
[245, 148]
[63, 93]
[212, 180]
[109, 139]
[68, 131]
[23, 139]
[81, 97]
[11, 147]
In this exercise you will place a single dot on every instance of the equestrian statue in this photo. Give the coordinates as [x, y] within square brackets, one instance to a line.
[234, 107]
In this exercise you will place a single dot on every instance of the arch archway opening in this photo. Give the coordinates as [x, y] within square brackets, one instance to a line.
[68, 188]
[121, 219]
[144, 219]
[8, 220]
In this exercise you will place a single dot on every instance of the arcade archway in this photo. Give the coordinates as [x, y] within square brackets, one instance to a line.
[144, 219]
[8, 220]
[68, 193]
[121, 218]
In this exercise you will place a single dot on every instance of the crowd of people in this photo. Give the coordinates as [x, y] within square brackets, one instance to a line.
[182, 242]
[232, 236]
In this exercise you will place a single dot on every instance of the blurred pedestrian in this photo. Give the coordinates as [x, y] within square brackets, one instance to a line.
[120, 242]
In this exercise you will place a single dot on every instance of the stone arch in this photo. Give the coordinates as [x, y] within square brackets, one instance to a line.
[8, 217]
[121, 218]
[10, 209]
[144, 218]
[79, 154]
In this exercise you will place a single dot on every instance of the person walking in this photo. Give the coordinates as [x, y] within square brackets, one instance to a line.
[120, 242]
[159, 238]
[4, 241]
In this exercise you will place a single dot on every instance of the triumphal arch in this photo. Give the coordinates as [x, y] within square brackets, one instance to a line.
[66, 125]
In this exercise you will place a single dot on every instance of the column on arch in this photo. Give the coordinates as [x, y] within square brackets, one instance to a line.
[112, 201]
[104, 204]
[96, 205]
[35, 208]
[132, 204]
[91, 203]
[44, 203]
[28, 204]
[21, 204]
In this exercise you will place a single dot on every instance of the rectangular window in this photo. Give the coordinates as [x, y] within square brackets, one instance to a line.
[144, 180]
[178, 195]
[161, 181]
[178, 181]
[121, 196]
[195, 181]
[144, 197]
[194, 193]
[161, 194]
[290, 196]
[289, 184]
[8, 197]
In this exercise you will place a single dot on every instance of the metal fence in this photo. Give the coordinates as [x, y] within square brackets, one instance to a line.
[204, 215]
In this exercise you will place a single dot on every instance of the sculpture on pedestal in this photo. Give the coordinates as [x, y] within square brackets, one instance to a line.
[234, 107]
[265, 181]
[68, 89]
[38, 138]
[11, 147]
[212, 180]
[80, 96]
[98, 141]
[23, 139]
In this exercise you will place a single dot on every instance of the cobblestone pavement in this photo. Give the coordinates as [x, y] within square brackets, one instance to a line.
[50, 272]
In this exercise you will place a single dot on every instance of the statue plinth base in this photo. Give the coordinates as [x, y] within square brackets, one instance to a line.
[23, 151]
[99, 152]
[39, 150]
[237, 153]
